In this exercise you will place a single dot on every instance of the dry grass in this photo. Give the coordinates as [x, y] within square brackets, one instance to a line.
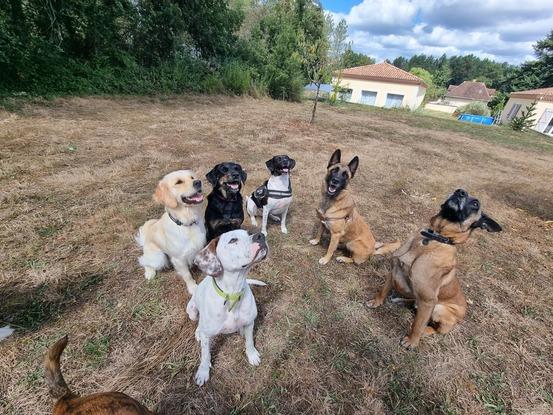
[76, 179]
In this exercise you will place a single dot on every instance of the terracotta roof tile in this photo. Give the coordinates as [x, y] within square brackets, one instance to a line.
[544, 94]
[384, 71]
[471, 90]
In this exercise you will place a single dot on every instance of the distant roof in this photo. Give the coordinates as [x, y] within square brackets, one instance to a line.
[324, 87]
[542, 94]
[471, 90]
[385, 72]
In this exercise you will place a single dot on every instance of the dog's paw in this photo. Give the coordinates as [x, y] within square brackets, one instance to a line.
[150, 273]
[374, 303]
[275, 218]
[202, 375]
[284, 231]
[324, 260]
[409, 344]
[344, 260]
[314, 242]
[191, 287]
[253, 357]
[253, 221]
[197, 334]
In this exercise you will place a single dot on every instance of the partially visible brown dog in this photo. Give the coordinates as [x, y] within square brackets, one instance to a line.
[109, 403]
[337, 214]
[424, 267]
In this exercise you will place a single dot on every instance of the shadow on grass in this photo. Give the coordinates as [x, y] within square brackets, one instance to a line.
[28, 310]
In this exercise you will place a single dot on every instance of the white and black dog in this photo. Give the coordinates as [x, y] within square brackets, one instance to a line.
[275, 196]
[224, 300]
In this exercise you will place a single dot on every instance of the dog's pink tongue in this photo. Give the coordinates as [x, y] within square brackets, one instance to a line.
[198, 197]
[233, 186]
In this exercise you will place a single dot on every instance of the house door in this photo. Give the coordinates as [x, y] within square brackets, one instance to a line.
[545, 123]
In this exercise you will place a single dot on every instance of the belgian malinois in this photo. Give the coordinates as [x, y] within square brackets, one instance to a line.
[424, 267]
[337, 214]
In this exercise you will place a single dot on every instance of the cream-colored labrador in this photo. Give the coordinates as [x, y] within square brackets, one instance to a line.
[180, 233]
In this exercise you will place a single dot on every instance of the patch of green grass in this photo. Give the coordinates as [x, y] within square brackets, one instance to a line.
[97, 350]
[311, 318]
[491, 392]
[148, 309]
[529, 311]
[49, 230]
[341, 362]
[33, 378]
[33, 263]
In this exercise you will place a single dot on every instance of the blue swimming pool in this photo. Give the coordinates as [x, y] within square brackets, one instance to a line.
[476, 119]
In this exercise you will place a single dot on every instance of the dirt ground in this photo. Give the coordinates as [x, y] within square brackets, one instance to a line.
[76, 178]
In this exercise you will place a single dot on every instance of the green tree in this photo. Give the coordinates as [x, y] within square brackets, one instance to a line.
[526, 119]
[353, 59]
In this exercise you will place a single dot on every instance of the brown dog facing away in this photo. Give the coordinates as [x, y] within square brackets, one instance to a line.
[109, 403]
[424, 267]
[338, 215]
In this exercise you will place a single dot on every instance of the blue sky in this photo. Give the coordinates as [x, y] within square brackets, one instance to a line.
[502, 30]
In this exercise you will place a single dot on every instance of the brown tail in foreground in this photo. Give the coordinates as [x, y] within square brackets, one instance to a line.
[383, 249]
[56, 383]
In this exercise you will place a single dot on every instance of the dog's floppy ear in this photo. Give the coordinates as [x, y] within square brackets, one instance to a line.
[163, 195]
[243, 174]
[292, 164]
[487, 223]
[352, 165]
[212, 175]
[271, 165]
[206, 260]
[335, 158]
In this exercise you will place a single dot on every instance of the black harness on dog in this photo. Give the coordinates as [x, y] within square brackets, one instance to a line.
[430, 234]
[262, 194]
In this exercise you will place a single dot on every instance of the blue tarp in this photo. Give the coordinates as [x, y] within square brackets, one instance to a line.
[324, 87]
[476, 119]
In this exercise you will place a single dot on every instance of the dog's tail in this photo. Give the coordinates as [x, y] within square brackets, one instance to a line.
[56, 383]
[255, 282]
[383, 249]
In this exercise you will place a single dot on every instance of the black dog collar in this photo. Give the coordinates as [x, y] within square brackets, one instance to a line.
[429, 234]
[178, 222]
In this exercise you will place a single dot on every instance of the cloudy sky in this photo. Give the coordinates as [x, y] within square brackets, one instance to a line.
[503, 30]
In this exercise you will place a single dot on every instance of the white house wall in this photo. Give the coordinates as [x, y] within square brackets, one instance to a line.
[413, 95]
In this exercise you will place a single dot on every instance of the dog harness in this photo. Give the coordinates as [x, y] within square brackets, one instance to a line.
[178, 222]
[230, 299]
[262, 194]
[430, 234]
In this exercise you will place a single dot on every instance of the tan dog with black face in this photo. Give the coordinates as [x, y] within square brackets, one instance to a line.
[424, 267]
[108, 403]
[338, 215]
[180, 233]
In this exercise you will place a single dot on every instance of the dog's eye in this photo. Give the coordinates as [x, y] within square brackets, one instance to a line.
[344, 175]
[179, 182]
[233, 241]
[476, 204]
[224, 169]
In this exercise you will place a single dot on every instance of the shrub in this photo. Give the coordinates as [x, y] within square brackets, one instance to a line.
[474, 108]
[526, 118]
[236, 77]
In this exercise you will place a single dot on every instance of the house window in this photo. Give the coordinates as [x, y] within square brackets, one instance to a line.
[368, 97]
[393, 101]
[513, 112]
[545, 123]
[345, 94]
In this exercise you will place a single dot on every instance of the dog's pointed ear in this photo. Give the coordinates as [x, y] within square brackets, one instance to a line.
[292, 164]
[206, 260]
[243, 175]
[487, 223]
[335, 158]
[352, 165]
[163, 195]
[212, 175]
[271, 165]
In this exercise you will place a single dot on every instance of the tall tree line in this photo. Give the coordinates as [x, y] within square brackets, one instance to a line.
[143, 46]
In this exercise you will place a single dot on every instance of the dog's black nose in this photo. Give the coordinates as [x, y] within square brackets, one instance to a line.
[461, 193]
[197, 185]
[258, 237]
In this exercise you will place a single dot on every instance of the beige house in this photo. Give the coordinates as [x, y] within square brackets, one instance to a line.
[460, 95]
[382, 85]
[518, 101]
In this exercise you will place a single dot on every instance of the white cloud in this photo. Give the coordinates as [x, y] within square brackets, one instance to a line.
[503, 30]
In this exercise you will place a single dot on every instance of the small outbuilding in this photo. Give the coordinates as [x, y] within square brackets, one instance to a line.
[463, 94]
[518, 101]
[381, 85]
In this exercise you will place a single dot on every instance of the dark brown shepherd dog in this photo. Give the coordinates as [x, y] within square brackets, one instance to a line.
[424, 267]
[109, 403]
[337, 214]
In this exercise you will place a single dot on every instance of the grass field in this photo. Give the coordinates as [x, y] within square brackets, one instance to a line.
[76, 178]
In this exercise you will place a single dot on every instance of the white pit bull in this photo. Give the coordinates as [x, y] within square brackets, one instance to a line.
[224, 300]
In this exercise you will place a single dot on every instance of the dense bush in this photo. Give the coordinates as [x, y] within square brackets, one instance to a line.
[145, 46]
[475, 108]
